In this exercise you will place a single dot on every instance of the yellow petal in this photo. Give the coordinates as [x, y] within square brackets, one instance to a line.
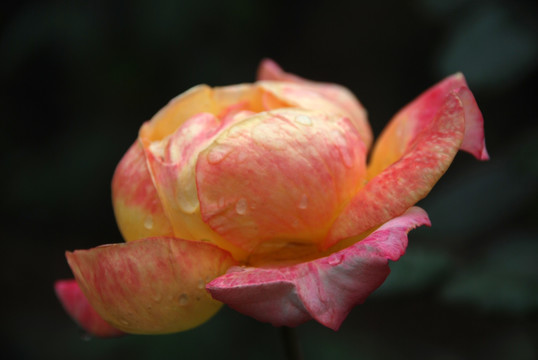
[151, 286]
[138, 209]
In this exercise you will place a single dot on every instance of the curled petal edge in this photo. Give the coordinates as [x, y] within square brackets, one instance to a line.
[78, 307]
[324, 289]
[409, 179]
[410, 121]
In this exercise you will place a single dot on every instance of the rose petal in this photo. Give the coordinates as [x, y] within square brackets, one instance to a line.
[137, 207]
[325, 289]
[194, 101]
[151, 286]
[311, 95]
[78, 307]
[409, 179]
[279, 177]
[409, 122]
[270, 70]
[172, 162]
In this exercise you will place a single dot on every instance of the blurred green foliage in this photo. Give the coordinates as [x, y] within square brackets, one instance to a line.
[80, 77]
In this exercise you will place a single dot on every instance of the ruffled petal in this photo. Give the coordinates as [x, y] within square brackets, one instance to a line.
[151, 286]
[325, 289]
[139, 212]
[78, 307]
[311, 95]
[409, 179]
[279, 177]
[409, 122]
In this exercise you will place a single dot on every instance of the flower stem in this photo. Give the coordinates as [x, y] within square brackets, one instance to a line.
[291, 344]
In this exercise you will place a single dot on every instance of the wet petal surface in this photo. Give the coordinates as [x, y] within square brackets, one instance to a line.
[306, 94]
[151, 286]
[138, 209]
[279, 177]
[325, 289]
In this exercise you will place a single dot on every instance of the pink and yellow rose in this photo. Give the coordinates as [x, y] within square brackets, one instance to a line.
[259, 196]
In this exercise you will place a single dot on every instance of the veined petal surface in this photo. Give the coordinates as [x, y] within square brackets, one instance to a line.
[324, 289]
[306, 94]
[409, 179]
[279, 177]
[409, 122]
[138, 209]
[151, 286]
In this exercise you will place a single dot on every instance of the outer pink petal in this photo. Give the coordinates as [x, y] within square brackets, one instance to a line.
[315, 96]
[78, 307]
[151, 286]
[408, 180]
[325, 289]
[409, 122]
[269, 70]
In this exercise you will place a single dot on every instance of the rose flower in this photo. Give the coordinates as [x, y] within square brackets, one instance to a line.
[259, 196]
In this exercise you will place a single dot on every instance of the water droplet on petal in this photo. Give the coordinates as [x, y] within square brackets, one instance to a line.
[234, 132]
[148, 222]
[183, 299]
[201, 284]
[241, 206]
[304, 120]
[303, 203]
[335, 259]
[217, 154]
[124, 322]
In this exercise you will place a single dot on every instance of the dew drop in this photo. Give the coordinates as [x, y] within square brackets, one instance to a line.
[148, 222]
[304, 120]
[201, 284]
[217, 154]
[335, 259]
[183, 299]
[187, 201]
[303, 204]
[241, 206]
[124, 322]
[234, 132]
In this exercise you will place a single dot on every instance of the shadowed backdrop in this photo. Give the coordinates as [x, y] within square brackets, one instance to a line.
[79, 78]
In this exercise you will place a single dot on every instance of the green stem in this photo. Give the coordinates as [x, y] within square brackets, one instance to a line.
[291, 344]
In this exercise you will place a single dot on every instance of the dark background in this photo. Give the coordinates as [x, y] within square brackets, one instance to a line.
[78, 78]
